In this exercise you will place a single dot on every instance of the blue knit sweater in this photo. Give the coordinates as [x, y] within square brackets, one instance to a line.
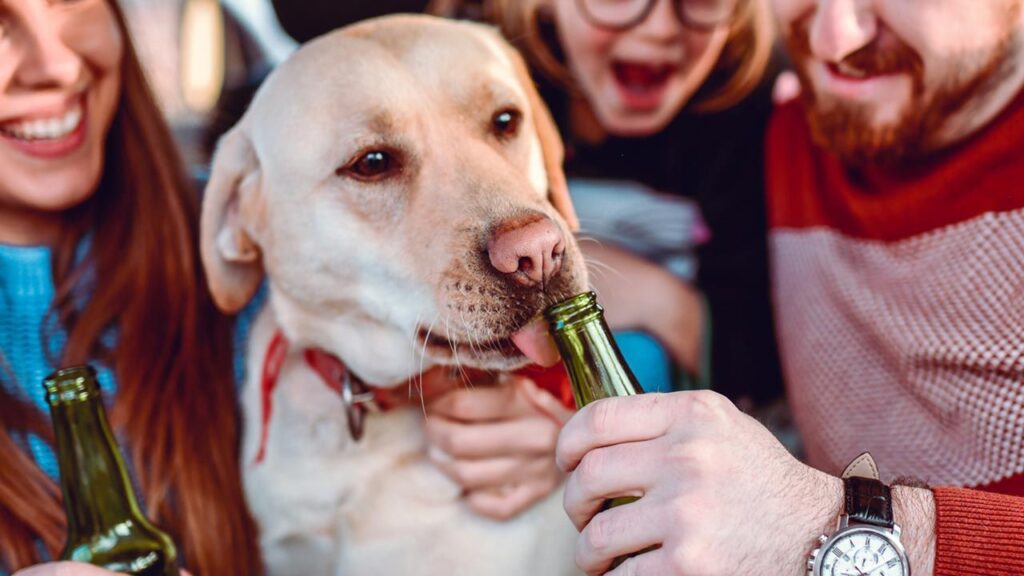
[26, 292]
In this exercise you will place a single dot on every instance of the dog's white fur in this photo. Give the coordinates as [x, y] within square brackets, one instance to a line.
[362, 267]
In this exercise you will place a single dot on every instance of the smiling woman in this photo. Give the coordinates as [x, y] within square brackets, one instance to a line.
[97, 229]
[60, 82]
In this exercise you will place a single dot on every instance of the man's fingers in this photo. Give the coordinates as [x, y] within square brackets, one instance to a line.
[543, 402]
[514, 397]
[507, 502]
[611, 421]
[440, 379]
[653, 563]
[535, 436]
[610, 472]
[618, 531]
[482, 404]
[491, 472]
[637, 418]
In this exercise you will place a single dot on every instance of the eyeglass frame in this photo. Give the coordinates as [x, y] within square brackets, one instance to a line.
[644, 14]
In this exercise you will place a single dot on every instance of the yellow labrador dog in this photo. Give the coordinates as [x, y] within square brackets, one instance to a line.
[398, 184]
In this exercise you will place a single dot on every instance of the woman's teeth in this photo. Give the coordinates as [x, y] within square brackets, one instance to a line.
[45, 128]
[847, 70]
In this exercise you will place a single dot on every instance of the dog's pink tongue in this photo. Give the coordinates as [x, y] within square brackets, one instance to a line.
[536, 344]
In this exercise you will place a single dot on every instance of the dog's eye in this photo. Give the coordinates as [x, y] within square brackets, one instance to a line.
[506, 123]
[373, 165]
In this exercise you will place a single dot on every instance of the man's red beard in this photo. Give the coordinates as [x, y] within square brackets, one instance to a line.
[846, 128]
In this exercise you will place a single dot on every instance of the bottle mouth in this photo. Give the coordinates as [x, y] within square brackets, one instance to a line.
[72, 383]
[573, 312]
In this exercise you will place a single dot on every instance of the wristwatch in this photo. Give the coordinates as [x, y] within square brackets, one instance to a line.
[866, 541]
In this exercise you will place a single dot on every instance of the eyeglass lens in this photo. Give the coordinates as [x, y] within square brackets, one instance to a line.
[628, 13]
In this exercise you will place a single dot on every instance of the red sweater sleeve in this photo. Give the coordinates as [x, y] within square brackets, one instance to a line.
[978, 533]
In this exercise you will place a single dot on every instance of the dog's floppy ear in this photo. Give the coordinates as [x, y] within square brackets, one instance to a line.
[550, 142]
[230, 255]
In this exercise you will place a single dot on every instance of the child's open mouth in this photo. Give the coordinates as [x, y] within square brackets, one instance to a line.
[641, 85]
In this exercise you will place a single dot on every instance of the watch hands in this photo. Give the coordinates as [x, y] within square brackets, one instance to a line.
[872, 571]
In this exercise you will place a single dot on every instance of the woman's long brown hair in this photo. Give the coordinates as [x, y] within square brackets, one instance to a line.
[140, 276]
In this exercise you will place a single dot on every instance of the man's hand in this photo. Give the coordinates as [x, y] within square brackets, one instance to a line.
[68, 569]
[718, 493]
[497, 442]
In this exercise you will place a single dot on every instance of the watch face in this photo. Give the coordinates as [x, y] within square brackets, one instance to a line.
[862, 552]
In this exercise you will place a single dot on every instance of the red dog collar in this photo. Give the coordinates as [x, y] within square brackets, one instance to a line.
[360, 398]
[357, 396]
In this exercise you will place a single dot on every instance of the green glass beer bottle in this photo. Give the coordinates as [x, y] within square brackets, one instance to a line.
[592, 359]
[105, 526]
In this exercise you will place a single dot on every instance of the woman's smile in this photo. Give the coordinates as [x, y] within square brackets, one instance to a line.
[48, 134]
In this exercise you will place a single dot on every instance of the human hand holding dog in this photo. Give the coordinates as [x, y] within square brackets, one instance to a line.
[497, 442]
[68, 569]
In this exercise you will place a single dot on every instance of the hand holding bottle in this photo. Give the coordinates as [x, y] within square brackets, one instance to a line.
[718, 494]
[68, 569]
[497, 442]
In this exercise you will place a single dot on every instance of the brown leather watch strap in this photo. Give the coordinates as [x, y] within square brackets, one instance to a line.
[868, 501]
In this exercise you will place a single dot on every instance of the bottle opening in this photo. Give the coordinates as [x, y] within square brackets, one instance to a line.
[573, 312]
[73, 383]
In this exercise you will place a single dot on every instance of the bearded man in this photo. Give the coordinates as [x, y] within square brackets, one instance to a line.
[896, 210]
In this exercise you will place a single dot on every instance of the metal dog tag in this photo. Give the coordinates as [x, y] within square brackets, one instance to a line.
[355, 395]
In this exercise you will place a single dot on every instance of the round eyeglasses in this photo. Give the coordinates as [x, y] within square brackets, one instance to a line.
[621, 15]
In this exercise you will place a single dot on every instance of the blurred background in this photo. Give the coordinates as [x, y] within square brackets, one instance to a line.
[204, 58]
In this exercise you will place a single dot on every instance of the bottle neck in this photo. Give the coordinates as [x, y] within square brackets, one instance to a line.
[592, 359]
[98, 496]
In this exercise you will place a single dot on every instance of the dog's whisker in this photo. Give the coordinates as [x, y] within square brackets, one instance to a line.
[590, 239]
[415, 330]
[595, 265]
[455, 349]
[423, 357]
[471, 340]
[417, 380]
[474, 338]
[451, 342]
[412, 342]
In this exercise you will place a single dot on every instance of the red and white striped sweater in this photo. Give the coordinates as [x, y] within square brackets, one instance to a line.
[899, 300]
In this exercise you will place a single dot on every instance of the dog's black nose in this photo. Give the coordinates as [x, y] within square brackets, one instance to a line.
[528, 249]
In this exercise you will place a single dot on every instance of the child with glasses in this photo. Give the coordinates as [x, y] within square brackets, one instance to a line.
[663, 104]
